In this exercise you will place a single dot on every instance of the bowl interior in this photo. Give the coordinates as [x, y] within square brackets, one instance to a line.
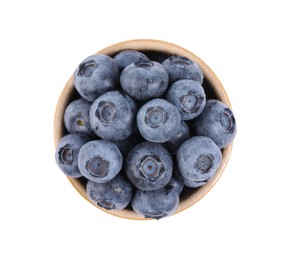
[157, 51]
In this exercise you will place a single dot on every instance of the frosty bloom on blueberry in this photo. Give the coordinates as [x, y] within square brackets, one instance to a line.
[198, 158]
[157, 120]
[126, 57]
[144, 79]
[149, 166]
[179, 67]
[67, 151]
[115, 194]
[96, 75]
[112, 116]
[216, 122]
[99, 161]
[188, 96]
[143, 130]
[182, 134]
[76, 117]
[156, 203]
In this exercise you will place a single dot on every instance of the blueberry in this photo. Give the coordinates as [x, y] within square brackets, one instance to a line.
[180, 136]
[198, 158]
[188, 96]
[216, 122]
[126, 145]
[149, 166]
[155, 55]
[112, 116]
[158, 120]
[126, 57]
[67, 151]
[99, 161]
[179, 67]
[187, 182]
[143, 80]
[155, 204]
[96, 75]
[76, 117]
[113, 195]
[175, 184]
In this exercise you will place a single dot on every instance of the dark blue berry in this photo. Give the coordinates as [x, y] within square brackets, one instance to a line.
[155, 204]
[187, 182]
[126, 57]
[158, 120]
[76, 117]
[179, 67]
[96, 75]
[149, 166]
[198, 158]
[99, 161]
[112, 116]
[126, 145]
[67, 151]
[113, 195]
[216, 122]
[143, 80]
[188, 96]
[180, 136]
[175, 184]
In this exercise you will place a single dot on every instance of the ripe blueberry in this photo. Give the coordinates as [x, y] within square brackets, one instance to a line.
[96, 75]
[187, 182]
[144, 79]
[126, 145]
[179, 67]
[113, 195]
[175, 184]
[112, 116]
[67, 151]
[155, 204]
[158, 120]
[126, 57]
[216, 122]
[188, 96]
[99, 161]
[198, 158]
[180, 136]
[76, 117]
[149, 166]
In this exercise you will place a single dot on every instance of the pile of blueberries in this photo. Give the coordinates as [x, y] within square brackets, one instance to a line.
[141, 131]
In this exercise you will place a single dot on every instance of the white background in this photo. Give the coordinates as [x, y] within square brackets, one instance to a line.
[247, 215]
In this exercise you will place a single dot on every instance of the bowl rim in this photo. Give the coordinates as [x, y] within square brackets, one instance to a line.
[155, 46]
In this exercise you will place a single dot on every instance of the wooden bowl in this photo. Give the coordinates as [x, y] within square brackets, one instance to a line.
[156, 50]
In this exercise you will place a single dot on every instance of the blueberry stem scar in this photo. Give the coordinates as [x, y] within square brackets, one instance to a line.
[66, 154]
[97, 166]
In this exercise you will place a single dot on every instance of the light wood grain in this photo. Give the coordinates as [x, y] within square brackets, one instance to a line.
[168, 49]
